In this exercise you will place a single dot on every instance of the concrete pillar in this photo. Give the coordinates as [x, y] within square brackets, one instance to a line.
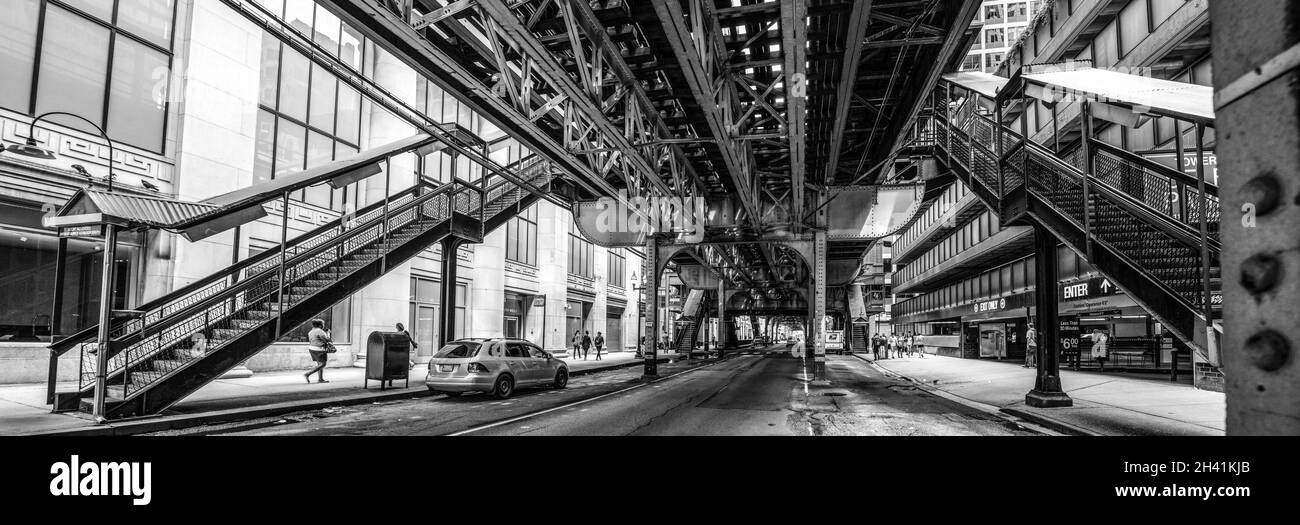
[385, 302]
[553, 226]
[488, 292]
[1047, 390]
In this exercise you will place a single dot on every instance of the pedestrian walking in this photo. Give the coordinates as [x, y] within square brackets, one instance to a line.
[414, 346]
[1031, 342]
[920, 350]
[599, 341]
[890, 344]
[586, 344]
[577, 343]
[320, 346]
[1100, 344]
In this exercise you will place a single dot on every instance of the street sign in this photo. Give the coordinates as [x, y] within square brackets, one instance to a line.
[1096, 286]
[835, 339]
[94, 230]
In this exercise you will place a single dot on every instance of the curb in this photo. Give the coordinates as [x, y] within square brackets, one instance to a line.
[128, 427]
[1043, 421]
[1054, 424]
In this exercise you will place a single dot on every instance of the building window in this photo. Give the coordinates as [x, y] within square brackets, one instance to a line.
[995, 38]
[307, 116]
[521, 237]
[994, 59]
[972, 62]
[617, 267]
[108, 61]
[581, 254]
[993, 14]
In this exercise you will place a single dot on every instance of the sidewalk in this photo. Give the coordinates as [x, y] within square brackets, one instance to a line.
[23, 409]
[1104, 404]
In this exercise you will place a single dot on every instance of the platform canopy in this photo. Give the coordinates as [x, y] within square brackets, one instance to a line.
[1142, 94]
[986, 84]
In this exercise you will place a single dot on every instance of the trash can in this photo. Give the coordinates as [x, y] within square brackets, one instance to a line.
[387, 358]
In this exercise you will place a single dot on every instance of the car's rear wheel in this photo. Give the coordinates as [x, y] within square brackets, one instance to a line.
[504, 386]
[561, 378]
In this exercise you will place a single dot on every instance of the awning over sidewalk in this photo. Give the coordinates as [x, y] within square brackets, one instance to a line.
[93, 206]
[199, 220]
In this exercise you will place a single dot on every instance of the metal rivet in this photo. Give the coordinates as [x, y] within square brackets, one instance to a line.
[1262, 191]
[1268, 350]
[1259, 273]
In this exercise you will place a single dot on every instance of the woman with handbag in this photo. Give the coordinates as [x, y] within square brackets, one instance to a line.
[320, 346]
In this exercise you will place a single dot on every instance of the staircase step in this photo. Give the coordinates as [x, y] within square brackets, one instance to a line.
[166, 365]
[226, 333]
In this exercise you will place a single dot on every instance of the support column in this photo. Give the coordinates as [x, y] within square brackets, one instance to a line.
[447, 293]
[1257, 124]
[818, 326]
[105, 339]
[722, 317]
[651, 273]
[1047, 385]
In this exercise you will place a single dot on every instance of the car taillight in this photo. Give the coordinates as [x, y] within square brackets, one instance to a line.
[476, 368]
[431, 366]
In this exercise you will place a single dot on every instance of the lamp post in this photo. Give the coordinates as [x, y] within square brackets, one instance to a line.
[31, 149]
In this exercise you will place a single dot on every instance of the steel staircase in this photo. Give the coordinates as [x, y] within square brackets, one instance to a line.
[691, 310]
[1134, 220]
[189, 337]
[858, 338]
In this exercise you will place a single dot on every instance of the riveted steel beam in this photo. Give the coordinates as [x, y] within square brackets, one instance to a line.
[794, 45]
[859, 19]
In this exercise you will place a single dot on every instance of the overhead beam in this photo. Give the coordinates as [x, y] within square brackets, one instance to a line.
[859, 19]
[381, 25]
[794, 45]
[696, 66]
[580, 100]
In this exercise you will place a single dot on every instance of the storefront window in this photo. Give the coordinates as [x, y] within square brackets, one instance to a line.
[28, 278]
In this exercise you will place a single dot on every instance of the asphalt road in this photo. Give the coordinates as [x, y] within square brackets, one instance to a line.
[748, 395]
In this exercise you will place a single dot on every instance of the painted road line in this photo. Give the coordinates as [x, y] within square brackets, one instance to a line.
[573, 404]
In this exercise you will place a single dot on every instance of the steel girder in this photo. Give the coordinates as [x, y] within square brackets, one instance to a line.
[509, 92]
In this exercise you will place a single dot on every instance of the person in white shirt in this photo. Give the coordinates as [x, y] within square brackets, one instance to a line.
[1031, 348]
[1100, 346]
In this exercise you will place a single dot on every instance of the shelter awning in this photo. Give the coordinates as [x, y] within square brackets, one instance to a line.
[986, 84]
[1146, 95]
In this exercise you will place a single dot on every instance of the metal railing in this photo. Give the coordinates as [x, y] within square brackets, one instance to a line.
[208, 322]
[1146, 212]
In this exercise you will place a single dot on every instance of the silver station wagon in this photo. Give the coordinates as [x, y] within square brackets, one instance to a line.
[497, 366]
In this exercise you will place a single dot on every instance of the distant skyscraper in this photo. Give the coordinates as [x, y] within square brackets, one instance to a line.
[1003, 21]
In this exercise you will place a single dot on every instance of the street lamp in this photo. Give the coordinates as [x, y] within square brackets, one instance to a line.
[31, 149]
